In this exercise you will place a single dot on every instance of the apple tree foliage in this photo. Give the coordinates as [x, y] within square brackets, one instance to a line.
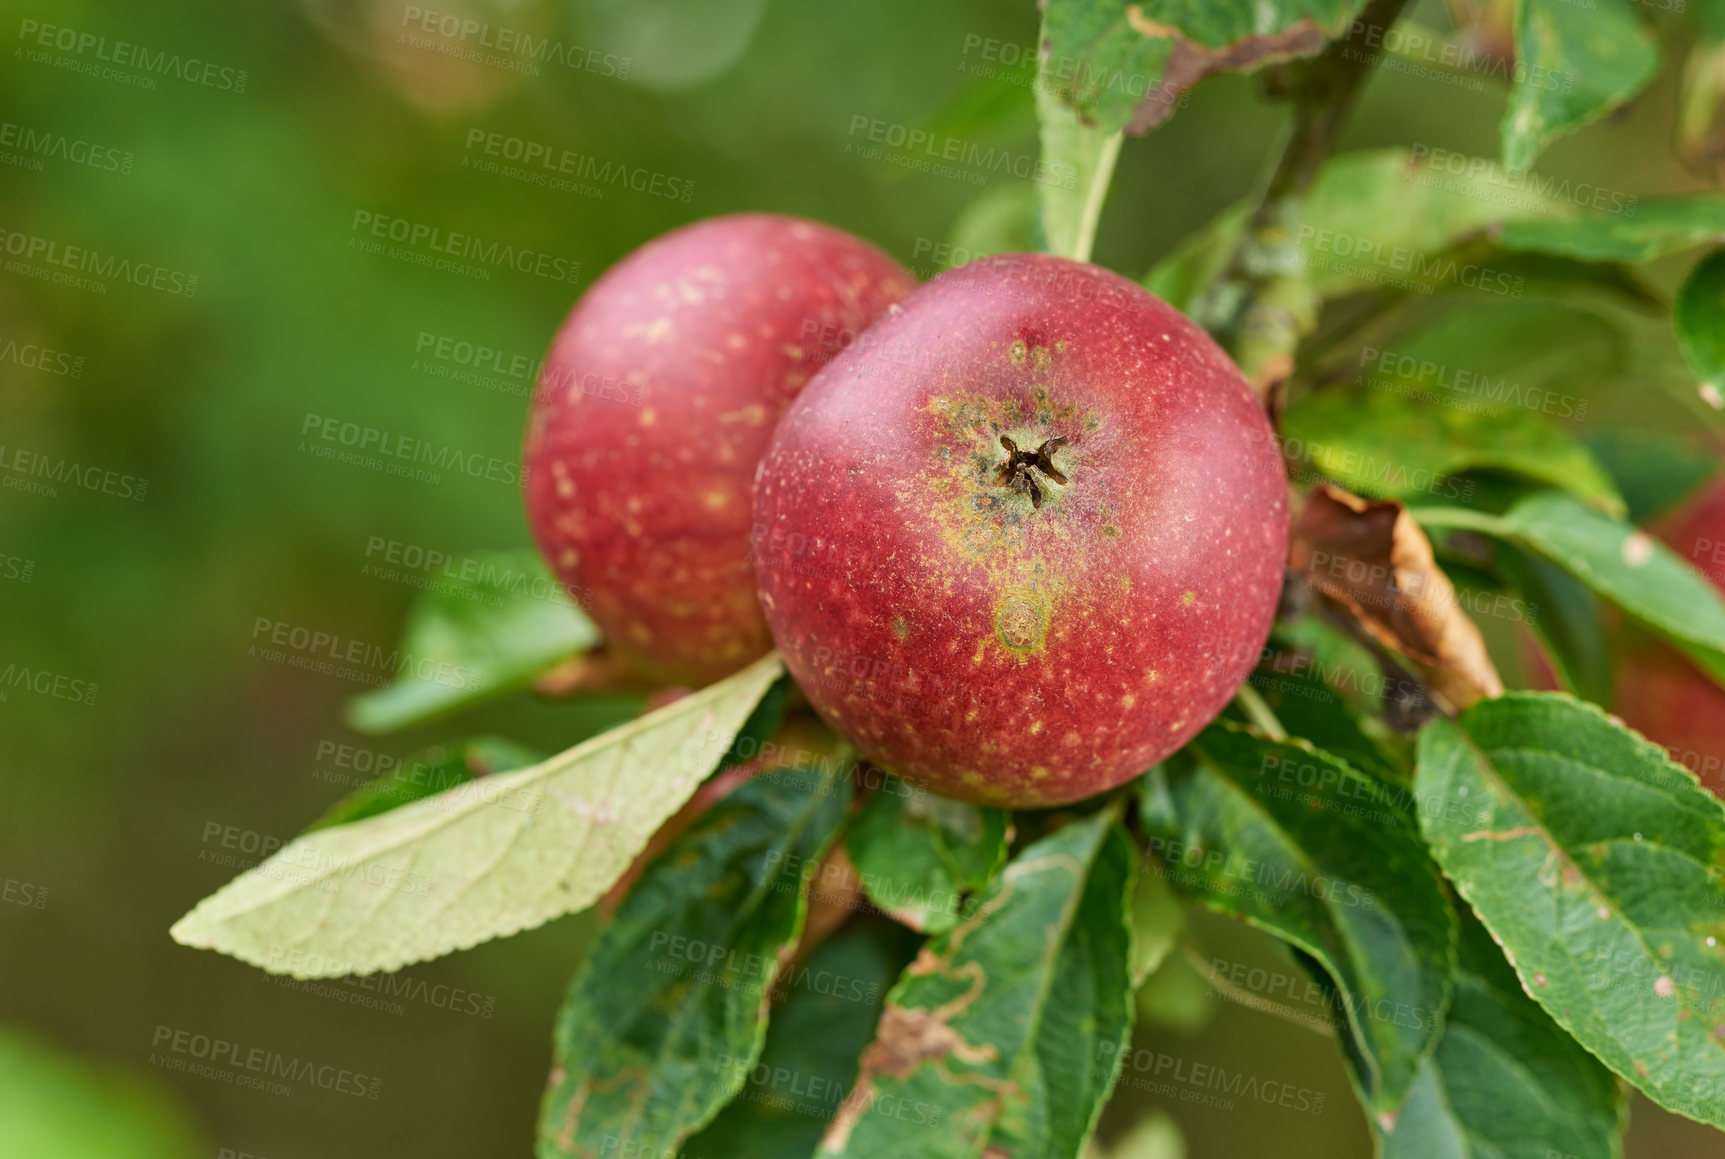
[819, 959]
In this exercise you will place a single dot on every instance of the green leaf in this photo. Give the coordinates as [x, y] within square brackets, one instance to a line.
[1003, 220]
[1378, 443]
[1566, 618]
[427, 774]
[1626, 566]
[668, 1013]
[1660, 226]
[1007, 1030]
[53, 1106]
[1304, 847]
[1122, 64]
[1700, 320]
[1079, 163]
[819, 1028]
[479, 861]
[1653, 471]
[1700, 133]
[1370, 215]
[1311, 709]
[921, 856]
[1597, 866]
[1573, 65]
[489, 631]
[1506, 1082]
[1157, 920]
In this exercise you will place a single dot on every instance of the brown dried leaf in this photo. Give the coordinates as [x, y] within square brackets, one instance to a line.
[1370, 557]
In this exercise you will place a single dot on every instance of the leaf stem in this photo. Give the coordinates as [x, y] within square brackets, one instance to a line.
[1261, 305]
[1463, 518]
[1259, 713]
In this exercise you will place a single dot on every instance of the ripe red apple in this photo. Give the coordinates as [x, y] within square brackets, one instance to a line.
[1659, 693]
[657, 399]
[1026, 537]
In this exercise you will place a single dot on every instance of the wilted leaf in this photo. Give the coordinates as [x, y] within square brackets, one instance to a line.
[1506, 1082]
[1372, 558]
[667, 1015]
[427, 774]
[495, 624]
[1011, 1021]
[1596, 863]
[481, 860]
[1327, 858]
[920, 855]
[1659, 226]
[1573, 65]
[1122, 64]
[818, 1029]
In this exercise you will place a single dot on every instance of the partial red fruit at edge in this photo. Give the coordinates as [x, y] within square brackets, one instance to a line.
[1659, 692]
[966, 618]
[656, 402]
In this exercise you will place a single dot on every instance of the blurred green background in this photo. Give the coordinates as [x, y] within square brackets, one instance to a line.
[117, 815]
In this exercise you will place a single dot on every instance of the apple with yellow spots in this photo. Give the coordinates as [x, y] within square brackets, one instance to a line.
[656, 401]
[1027, 539]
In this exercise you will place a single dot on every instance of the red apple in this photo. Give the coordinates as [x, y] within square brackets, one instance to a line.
[1025, 538]
[657, 399]
[1659, 692]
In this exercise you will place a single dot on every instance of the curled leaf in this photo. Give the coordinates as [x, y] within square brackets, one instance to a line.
[1370, 557]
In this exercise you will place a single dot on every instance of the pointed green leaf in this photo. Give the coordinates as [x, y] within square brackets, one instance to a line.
[920, 856]
[1506, 1082]
[1012, 1021]
[1653, 470]
[494, 624]
[1597, 866]
[1304, 847]
[1659, 226]
[1573, 65]
[668, 1013]
[482, 860]
[824, 1015]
